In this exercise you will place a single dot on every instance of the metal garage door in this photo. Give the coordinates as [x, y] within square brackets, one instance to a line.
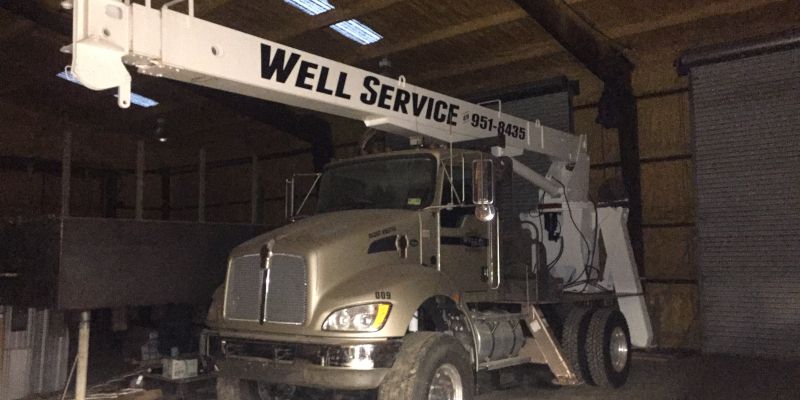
[550, 104]
[746, 115]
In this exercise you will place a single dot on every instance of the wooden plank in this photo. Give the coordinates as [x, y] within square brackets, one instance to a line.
[473, 25]
[526, 52]
[529, 51]
[331, 17]
[597, 52]
[703, 11]
[37, 12]
[144, 395]
[206, 7]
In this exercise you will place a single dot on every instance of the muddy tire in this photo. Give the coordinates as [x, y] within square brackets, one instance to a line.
[235, 389]
[573, 341]
[608, 347]
[430, 365]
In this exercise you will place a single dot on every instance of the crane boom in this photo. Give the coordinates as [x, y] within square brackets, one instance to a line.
[171, 44]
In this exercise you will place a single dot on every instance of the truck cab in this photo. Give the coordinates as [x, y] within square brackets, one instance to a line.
[394, 236]
[401, 259]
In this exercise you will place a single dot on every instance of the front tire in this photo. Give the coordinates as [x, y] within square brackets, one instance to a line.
[608, 345]
[430, 365]
[229, 388]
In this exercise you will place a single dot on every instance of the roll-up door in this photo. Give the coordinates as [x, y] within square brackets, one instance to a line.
[746, 122]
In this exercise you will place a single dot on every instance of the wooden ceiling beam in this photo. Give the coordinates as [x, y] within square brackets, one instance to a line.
[597, 52]
[549, 47]
[473, 25]
[529, 51]
[37, 12]
[206, 7]
[707, 10]
[605, 59]
[12, 26]
[311, 23]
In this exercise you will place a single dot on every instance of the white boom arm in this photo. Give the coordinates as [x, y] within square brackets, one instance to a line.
[166, 43]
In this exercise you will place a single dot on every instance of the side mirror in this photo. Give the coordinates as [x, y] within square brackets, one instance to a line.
[483, 189]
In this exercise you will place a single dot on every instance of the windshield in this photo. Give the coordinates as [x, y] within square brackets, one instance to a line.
[393, 183]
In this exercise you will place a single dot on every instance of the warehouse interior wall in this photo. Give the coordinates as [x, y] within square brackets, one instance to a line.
[668, 201]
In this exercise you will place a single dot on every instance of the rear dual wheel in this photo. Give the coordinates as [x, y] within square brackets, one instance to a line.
[608, 346]
[596, 343]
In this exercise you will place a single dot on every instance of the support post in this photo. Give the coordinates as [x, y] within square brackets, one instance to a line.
[254, 190]
[3, 311]
[606, 60]
[83, 356]
[140, 180]
[166, 196]
[201, 186]
[66, 173]
[628, 127]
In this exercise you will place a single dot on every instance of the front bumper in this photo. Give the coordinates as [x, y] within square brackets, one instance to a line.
[346, 366]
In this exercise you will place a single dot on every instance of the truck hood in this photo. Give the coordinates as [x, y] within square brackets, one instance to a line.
[307, 236]
[349, 256]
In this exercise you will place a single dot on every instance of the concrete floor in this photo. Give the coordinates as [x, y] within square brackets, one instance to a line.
[653, 377]
[671, 378]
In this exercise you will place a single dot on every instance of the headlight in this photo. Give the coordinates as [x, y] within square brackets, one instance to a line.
[366, 318]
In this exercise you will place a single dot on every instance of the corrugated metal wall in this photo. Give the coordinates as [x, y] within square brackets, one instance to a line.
[747, 169]
[33, 353]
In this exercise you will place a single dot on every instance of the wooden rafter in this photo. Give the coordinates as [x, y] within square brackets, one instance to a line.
[331, 17]
[206, 7]
[37, 12]
[548, 47]
[527, 52]
[473, 25]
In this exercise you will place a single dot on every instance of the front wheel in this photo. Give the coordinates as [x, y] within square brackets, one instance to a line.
[229, 388]
[432, 366]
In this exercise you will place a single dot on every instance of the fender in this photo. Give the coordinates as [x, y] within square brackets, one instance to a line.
[404, 286]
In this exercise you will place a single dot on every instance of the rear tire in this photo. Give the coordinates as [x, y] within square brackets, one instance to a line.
[573, 342]
[430, 365]
[608, 347]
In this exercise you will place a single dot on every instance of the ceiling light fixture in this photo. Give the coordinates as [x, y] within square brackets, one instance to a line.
[160, 132]
[356, 31]
[311, 7]
[137, 99]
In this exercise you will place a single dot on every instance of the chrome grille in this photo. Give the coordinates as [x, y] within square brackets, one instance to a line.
[285, 289]
[243, 292]
[286, 293]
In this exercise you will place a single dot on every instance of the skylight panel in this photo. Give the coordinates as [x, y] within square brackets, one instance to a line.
[356, 31]
[311, 7]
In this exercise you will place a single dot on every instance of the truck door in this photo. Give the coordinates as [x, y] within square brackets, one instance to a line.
[465, 241]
